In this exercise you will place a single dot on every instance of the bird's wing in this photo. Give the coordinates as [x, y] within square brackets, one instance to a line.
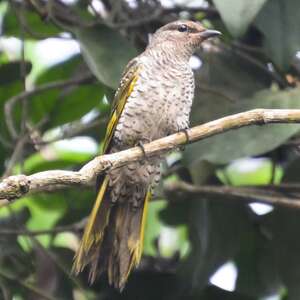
[129, 78]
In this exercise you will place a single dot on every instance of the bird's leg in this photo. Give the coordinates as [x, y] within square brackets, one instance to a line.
[185, 131]
[140, 144]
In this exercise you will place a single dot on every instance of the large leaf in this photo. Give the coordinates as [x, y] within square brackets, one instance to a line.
[106, 52]
[225, 85]
[282, 226]
[238, 14]
[65, 104]
[38, 28]
[277, 22]
[254, 257]
[214, 240]
[249, 141]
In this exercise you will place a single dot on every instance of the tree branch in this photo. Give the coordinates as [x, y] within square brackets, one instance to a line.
[246, 194]
[16, 186]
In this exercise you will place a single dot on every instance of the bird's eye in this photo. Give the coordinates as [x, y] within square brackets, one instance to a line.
[182, 28]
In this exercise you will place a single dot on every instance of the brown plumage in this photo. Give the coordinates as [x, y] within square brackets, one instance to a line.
[153, 100]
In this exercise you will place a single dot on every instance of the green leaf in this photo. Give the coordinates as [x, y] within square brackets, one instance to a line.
[259, 173]
[277, 22]
[60, 71]
[106, 52]
[248, 141]
[65, 104]
[52, 157]
[40, 28]
[238, 14]
[45, 211]
[75, 103]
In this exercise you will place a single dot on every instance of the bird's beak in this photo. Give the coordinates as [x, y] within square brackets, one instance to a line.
[208, 33]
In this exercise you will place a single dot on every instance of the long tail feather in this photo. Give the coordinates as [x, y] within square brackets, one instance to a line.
[113, 238]
[94, 230]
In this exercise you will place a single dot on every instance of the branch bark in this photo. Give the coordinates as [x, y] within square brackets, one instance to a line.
[16, 186]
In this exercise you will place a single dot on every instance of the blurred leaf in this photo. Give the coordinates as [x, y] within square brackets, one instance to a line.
[46, 272]
[238, 14]
[60, 71]
[65, 104]
[53, 157]
[10, 72]
[248, 141]
[78, 203]
[75, 103]
[13, 259]
[213, 239]
[45, 211]
[277, 22]
[255, 171]
[106, 52]
[38, 27]
[225, 82]
[8, 243]
[282, 225]
[291, 173]
[42, 104]
[257, 271]
[7, 91]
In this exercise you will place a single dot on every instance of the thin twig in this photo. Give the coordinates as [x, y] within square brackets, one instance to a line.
[247, 194]
[17, 153]
[18, 149]
[17, 186]
[68, 228]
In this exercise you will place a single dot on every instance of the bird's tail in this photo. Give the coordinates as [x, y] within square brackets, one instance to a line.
[113, 238]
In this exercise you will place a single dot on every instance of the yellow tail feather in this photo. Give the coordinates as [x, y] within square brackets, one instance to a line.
[113, 238]
[91, 236]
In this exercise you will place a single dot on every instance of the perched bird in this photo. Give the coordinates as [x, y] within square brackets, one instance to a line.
[153, 100]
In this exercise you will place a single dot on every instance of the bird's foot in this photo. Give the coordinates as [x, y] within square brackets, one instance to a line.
[141, 145]
[185, 131]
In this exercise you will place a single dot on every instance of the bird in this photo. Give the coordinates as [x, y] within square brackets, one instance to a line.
[153, 100]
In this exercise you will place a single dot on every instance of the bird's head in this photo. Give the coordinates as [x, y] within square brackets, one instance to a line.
[182, 36]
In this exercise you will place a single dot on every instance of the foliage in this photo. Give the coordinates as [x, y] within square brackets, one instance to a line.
[188, 238]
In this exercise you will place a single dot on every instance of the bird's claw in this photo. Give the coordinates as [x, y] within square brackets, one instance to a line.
[141, 145]
[185, 131]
